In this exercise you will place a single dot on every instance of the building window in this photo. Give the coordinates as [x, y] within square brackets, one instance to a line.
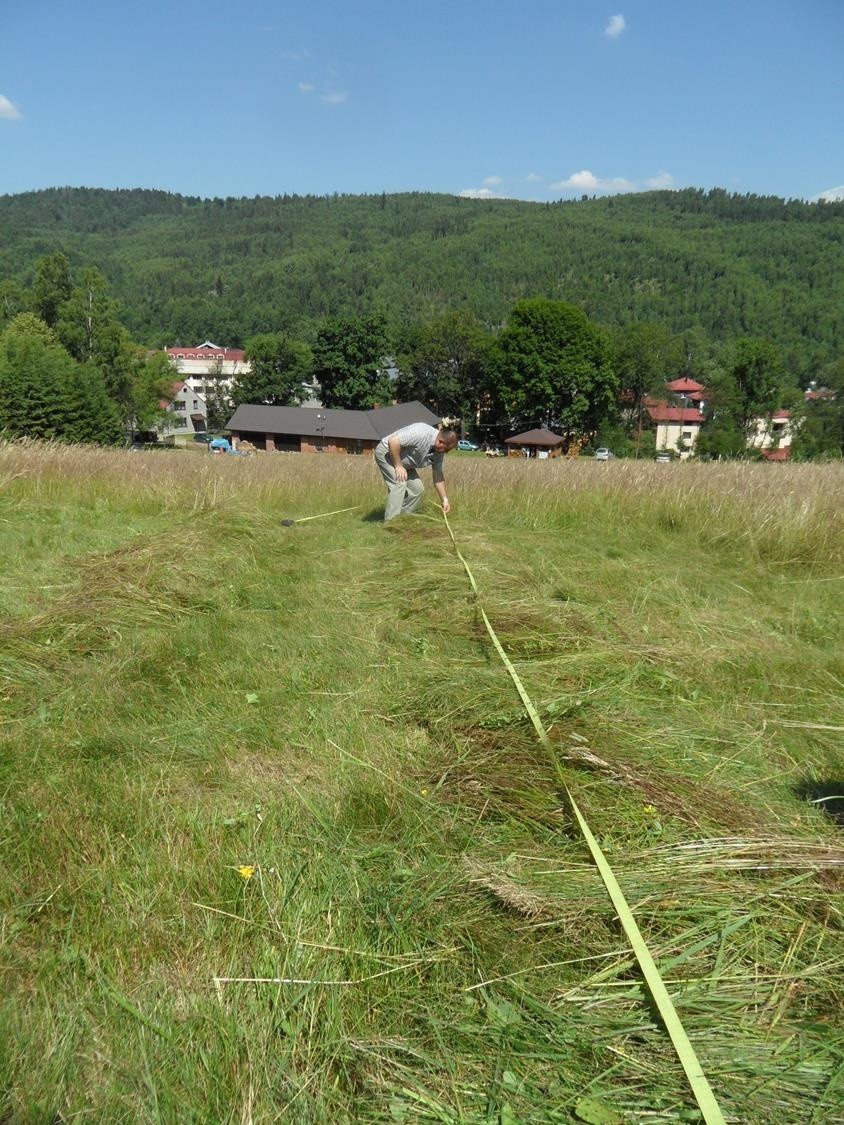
[178, 406]
[180, 423]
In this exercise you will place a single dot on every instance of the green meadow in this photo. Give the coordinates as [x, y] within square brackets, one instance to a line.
[279, 842]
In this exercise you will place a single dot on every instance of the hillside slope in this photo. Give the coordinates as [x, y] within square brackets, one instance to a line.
[186, 268]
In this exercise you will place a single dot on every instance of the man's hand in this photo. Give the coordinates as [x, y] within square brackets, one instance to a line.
[401, 473]
[446, 505]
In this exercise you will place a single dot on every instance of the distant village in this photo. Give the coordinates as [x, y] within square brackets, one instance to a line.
[210, 368]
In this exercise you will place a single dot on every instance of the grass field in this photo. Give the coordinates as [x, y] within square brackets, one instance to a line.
[279, 844]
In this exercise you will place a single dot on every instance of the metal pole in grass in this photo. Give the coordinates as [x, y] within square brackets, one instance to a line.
[698, 1082]
[321, 516]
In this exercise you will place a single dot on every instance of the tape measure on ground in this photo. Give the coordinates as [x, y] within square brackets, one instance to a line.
[700, 1087]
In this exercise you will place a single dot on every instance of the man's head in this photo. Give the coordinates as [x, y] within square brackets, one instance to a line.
[445, 440]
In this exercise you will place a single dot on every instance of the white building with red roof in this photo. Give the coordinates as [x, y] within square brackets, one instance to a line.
[208, 363]
[202, 370]
[677, 427]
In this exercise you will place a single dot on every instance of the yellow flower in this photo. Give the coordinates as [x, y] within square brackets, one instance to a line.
[246, 872]
[423, 792]
[649, 809]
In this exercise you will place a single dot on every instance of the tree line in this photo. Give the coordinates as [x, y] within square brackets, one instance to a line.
[69, 369]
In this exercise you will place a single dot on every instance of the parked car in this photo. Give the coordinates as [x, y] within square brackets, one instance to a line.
[466, 446]
[662, 458]
[204, 437]
[603, 454]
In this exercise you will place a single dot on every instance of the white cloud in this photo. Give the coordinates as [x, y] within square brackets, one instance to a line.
[9, 112]
[493, 181]
[831, 195]
[302, 54]
[615, 27]
[306, 87]
[586, 181]
[479, 193]
[532, 178]
[335, 97]
[662, 181]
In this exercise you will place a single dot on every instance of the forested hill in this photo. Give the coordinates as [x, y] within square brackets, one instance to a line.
[186, 269]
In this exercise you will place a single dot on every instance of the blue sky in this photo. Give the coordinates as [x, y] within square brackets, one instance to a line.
[533, 100]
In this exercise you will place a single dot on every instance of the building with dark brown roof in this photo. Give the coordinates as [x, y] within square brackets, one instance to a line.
[305, 429]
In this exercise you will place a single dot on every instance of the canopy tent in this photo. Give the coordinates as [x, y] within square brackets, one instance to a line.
[536, 443]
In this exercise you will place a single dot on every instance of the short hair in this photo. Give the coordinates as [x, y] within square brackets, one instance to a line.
[448, 435]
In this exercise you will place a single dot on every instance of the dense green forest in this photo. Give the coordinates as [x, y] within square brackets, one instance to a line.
[186, 269]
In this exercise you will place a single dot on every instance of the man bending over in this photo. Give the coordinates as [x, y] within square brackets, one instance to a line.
[400, 455]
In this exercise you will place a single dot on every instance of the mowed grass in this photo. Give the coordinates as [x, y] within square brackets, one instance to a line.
[279, 843]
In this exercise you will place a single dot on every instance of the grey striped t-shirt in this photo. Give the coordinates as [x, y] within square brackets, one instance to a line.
[417, 447]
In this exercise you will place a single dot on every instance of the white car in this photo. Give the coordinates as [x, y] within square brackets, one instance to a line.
[603, 454]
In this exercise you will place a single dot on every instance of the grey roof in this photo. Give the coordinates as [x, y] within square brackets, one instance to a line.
[535, 437]
[306, 421]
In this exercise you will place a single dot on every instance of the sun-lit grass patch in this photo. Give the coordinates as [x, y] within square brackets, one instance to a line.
[190, 690]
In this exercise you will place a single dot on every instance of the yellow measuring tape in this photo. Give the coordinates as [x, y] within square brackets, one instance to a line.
[701, 1089]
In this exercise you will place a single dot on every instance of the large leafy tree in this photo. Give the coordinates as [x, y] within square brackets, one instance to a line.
[646, 356]
[280, 367]
[445, 365]
[550, 366]
[349, 357]
[755, 367]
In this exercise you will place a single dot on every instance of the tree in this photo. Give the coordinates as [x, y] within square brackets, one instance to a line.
[88, 324]
[756, 369]
[348, 363]
[445, 365]
[34, 384]
[819, 420]
[13, 301]
[280, 367]
[219, 404]
[91, 416]
[52, 286]
[149, 382]
[645, 356]
[722, 435]
[550, 366]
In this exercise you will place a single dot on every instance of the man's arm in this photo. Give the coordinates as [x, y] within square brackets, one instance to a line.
[439, 485]
[394, 446]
